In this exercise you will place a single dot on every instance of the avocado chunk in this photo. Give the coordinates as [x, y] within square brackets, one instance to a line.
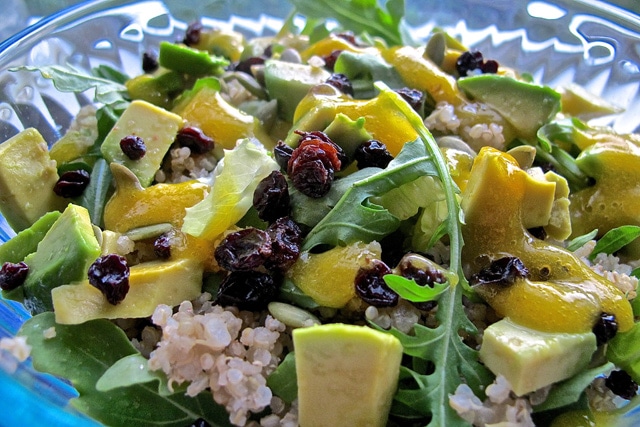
[187, 60]
[63, 256]
[156, 126]
[525, 106]
[26, 241]
[345, 372]
[289, 82]
[150, 284]
[530, 359]
[27, 178]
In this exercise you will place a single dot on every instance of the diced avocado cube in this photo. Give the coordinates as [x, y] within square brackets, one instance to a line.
[150, 284]
[289, 82]
[187, 60]
[27, 178]
[531, 359]
[345, 373]
[63, 256]
[156, 126]
[26, 241]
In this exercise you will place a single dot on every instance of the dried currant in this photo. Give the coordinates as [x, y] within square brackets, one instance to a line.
[423, 277]
[414, 97]
[194, 139]
[133, 147]
[504, 271]
[200, 422]
[318, 137]
[473, 60]
[150, 61]
[371, 287]
[193, 33]
[282, 153]
[330, 59]
[348, 36]
[271, 197]
[162, 246]
[286, 240]
[605, 328]
[341, 82]
[247, 290]
[243, 250]
[110, 274]
[372, 153]
[13, 275]
[246, 64]
[72, 183]
[621, 384]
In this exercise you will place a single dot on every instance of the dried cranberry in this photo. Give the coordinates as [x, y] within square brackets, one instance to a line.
[133, 147]
[348, 36]
[194, 139]
[621, 384]
[110, 274]
[605, 328]
[162, 246]
[246, 64]
[371, 287]
[282, 153]
[414, 97]
[318, 137]
[473, 60]
[72, 183]
[372, 153]
[423, 277]
[490, 67]
[504, 271]
[247, 290]
[330, 59]
[341, 82]
[286, 240]
[150, 61]
[271, 197]
[200, 422]
[193, 33]
[13, 275]
[244, 250]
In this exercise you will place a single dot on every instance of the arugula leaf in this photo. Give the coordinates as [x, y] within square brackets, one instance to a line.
[82, 354]
[131, 370]
[615, 239]
[110, 73]
[363, 69]
[362, 16]
[94, 197]
[580, 241]
[411, 291]
[69, 79]
[624, 351]
[283, 381]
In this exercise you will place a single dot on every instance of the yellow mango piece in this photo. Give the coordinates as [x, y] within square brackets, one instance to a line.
[331, 43]
[328, 277]
[150, 284]
[220, 120]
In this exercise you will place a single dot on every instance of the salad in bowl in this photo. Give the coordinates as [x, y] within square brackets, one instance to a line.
[343, 218]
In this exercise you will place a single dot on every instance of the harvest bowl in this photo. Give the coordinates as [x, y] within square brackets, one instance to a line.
[590, 43]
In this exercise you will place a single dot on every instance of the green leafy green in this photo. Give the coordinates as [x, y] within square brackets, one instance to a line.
[580, 241]
[615, 239]
[131, 370]
[624, 351]
[110, 73]
[83, 353]
[290, 292]
[283, 381]
[411, 291]
[363, 69]
[94, 197]
[362, 16]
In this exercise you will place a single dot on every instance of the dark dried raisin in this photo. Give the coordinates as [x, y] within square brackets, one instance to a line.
[286, 240]
[339, 161]
[110, 274]
[372, 153]
[341, 82]
[605, 328]
[72, 183]
[414, 97]
[621, 384]
[246, 64]
[200, 422]
[13, 275]
[150, 61]
[162, 246]
[282, 153]
[473, 60]
[371, 287]
[490, 66]
[504, 271]
[271, 197]
[349, 36]
[133, 147]
[247, 290]
[194, 139]
[423, 277]
[243, 250]
[193, 33]
[330, 59]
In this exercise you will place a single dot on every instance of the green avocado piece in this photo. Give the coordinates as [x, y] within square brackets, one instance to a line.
[531, 359]
[159, 89]
[347, 133]
[526, 106]
[26, 241]
[289, 82]
[187, 60]
[63, 256]
[345, 372]
[27, 178]
[156, 126]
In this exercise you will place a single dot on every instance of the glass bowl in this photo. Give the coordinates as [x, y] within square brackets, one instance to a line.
[588, 42]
